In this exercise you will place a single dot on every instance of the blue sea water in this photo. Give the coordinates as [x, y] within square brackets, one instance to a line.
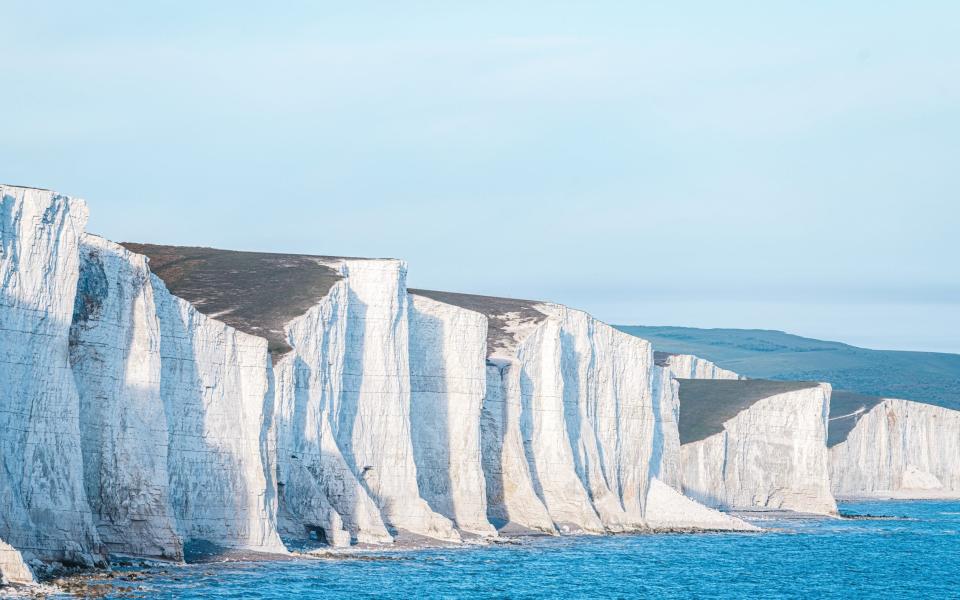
[914, 555]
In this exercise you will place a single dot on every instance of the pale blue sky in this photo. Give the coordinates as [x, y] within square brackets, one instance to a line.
[766, 164]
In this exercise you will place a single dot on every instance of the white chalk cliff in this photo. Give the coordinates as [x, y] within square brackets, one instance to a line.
[448, 383]
[892, 448]
[116, 362]
[156, 396]
[668, 368]
[689, 366]
[756, 445]
[319, 490]
[570, 424]
[44, 511]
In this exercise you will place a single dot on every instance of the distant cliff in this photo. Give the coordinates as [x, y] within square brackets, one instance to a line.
[891, 448]
[880, 445]
[929, 377]
[756, 444]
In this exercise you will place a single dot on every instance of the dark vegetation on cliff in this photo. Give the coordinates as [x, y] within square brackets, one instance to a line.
[255, 292]
[499, 312]
[706, 404]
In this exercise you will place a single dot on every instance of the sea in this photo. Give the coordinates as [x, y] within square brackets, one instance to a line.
[889, 549]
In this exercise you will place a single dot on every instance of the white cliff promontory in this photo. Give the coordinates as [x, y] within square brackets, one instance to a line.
[570, 423]
[216, 390]
[756, 444]
[115, 356]
[318, 489]
[43, 506]
[448, 382]
[373, 423]
[891, 448]
[609, 414]
[546, 436]
[513, 505]
[334, 411]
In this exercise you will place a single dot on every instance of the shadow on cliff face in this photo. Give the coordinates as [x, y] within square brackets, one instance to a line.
[206, 485]
[123, 428]
[346, 413]
[528, 391]
[430, 414]
[268, 441]
[569, 370]
[312, 478]
[43, 506]
[289, 456]
[658, 440]
[493, 415]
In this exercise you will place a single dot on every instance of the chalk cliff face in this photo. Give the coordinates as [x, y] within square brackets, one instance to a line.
[216, 390]
[173, 415]
[374, 415]
[570, 424]
[319, 490]
[12, 568]
[756, 445]
[688, 366]
[332, 417]
[448, 382]
[115, 356]
[667, 370]
[156, 396]
[608, 412]
[43, 505]
[895, 449]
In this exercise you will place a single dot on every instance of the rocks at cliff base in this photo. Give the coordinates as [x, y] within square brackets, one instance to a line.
[669, 510]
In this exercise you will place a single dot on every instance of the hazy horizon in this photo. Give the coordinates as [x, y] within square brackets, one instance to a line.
[773, 167]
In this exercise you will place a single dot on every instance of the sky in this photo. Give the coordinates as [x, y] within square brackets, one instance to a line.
[777, 165]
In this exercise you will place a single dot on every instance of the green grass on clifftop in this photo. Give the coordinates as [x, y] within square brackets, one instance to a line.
[929, 377]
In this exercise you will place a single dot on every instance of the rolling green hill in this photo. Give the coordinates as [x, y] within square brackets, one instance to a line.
[929, 377]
